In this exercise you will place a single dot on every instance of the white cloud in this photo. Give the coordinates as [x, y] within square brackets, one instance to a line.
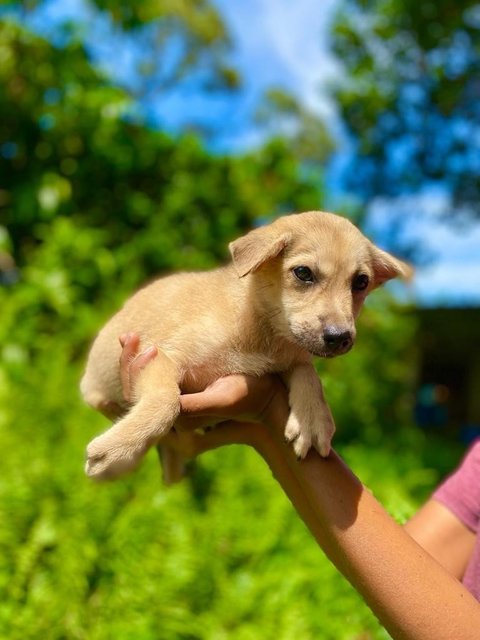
[298, 34]
[284, 43]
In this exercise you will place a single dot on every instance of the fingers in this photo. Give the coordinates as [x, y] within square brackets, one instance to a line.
[220, 399]
[190, 444]
[226, 433]
[131, 363]
[141, 361]
[200, 404]
[130, 343]
[187, 424]
[235, 396]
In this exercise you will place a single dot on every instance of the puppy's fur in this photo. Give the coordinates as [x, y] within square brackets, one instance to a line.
[259, 314]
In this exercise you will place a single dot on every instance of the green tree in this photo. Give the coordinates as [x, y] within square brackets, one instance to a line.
[409, 100]
[90, 199]
[281, 113]
[179, 41]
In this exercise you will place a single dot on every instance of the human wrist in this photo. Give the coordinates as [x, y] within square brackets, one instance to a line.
[275, 414]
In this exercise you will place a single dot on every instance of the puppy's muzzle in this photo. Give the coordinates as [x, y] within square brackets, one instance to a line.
[337, 340]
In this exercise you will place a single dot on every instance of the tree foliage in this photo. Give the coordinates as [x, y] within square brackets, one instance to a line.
[411, 101]
[97, 199]
[172, 42]
[280, 113]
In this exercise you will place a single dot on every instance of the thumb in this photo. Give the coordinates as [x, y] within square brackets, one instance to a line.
[221, 398]
[204, 403]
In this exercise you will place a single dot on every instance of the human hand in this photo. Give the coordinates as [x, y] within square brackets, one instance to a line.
[132, 362]
[234, 402]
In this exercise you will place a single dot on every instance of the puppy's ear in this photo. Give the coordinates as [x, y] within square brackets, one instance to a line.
[251, 251]
[386, 267]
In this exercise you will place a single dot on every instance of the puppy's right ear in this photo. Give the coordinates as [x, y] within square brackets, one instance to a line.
[257, 247]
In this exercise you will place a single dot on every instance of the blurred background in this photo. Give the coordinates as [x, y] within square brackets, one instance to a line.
[139, 137]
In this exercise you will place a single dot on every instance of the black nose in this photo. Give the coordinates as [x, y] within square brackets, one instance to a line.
[337, 339]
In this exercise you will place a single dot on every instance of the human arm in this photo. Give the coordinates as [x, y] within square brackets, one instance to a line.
[413, 596]
[443, 535]
[448, 523]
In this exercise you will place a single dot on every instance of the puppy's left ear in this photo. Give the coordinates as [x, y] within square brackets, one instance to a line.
[386, 267]
[250, 252]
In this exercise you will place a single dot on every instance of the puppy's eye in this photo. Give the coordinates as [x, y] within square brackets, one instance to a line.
[304, 274]
[360, 282]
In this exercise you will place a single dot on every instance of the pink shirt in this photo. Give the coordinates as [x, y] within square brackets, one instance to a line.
[460, 493]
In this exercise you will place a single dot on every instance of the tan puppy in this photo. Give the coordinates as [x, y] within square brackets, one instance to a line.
[294, 288]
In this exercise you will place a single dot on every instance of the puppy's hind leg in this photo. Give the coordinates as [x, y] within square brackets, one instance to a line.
[157, 405]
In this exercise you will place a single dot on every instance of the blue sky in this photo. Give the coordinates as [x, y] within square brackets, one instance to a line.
[288, 45]
[283, 43]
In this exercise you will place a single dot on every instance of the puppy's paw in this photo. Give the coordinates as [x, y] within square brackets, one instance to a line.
[292, 428]
[108, 457]
[299, 435]
[322, 443]
[304, 434]
[305, 441]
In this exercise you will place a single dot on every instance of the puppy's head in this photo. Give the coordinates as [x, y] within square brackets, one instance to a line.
[310, 274]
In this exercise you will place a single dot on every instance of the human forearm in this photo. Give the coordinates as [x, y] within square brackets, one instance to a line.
[411, 594]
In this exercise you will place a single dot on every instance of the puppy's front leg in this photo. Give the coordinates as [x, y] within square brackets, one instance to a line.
[310, 422]
[157, 405]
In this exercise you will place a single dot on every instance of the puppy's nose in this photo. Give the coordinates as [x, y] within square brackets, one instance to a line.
[337, 339]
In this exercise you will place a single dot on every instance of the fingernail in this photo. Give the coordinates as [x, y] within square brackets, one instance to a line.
[150, 351]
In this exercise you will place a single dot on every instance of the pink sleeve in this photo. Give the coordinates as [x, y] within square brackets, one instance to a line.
[460, 492]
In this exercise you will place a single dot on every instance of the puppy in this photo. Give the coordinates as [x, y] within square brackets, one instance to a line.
[293, 290]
